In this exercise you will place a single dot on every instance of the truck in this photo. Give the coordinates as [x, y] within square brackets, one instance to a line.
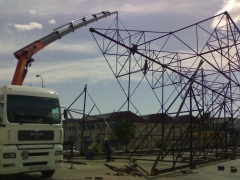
[31, 133]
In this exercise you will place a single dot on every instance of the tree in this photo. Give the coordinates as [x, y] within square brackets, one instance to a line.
[125, 130]
[96, 148]
[206, 121]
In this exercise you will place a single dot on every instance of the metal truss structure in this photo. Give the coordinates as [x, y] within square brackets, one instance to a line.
[80, 123]
[191, 71]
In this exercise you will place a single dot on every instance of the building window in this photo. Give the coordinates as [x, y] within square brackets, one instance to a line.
[87, 142]
[89, 127]
[99, 126]
[112, 126]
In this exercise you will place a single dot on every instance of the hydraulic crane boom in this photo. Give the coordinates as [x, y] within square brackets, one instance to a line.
[25, 54]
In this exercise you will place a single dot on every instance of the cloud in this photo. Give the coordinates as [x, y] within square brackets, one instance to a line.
[233, 8]
[54, 11]
[52, 21]
[95, 70]
[32, 12]
[85, 7]
[79, 47]
[28, 27]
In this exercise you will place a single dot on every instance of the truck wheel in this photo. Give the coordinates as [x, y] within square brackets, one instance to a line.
[47, 173]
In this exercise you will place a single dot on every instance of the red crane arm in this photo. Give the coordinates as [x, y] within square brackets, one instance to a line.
[25, 54]
[24, 57]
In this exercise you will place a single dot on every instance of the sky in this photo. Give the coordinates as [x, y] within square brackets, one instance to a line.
[75, 61]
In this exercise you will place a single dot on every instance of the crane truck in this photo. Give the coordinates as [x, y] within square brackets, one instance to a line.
[31, 134]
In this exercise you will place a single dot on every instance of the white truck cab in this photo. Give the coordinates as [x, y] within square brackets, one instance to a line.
[31, 133]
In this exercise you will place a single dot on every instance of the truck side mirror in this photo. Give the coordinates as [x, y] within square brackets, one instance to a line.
[65, 114]
[1, 103]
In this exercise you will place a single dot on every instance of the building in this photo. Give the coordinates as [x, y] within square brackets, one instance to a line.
[150, 129]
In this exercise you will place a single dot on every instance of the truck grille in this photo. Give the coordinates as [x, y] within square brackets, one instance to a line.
[38, 154]
[29, 135]
[35, 163]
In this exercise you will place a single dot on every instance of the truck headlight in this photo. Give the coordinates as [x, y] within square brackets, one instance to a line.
[58, 153]
[9, 155]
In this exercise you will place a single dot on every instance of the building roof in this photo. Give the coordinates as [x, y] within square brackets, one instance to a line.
[117, 116]
[187, 119]
[160, 117]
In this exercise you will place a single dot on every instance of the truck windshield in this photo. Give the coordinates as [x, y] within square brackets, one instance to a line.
[31, 109]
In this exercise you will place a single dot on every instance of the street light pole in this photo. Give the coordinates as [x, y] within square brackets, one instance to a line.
[41, 78]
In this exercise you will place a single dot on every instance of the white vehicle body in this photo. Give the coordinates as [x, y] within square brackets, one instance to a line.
[30, 140]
